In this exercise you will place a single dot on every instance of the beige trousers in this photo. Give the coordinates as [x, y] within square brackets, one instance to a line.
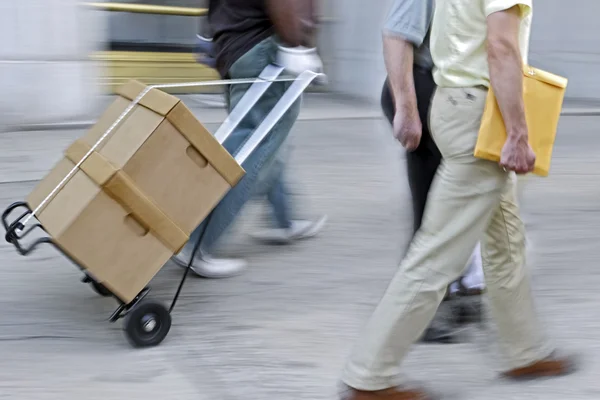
[470, 199]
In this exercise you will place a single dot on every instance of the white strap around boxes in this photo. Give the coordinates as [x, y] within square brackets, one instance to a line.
[259, 86]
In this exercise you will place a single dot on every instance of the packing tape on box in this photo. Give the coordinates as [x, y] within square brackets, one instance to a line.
[122, 189]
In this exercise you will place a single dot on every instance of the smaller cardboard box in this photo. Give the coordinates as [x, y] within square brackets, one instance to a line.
[138, 196]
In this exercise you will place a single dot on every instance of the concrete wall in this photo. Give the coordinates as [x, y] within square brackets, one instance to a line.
[45, 74]
[565, 40]
[355, 44]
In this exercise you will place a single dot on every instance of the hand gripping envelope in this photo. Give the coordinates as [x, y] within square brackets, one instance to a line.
[543, 95]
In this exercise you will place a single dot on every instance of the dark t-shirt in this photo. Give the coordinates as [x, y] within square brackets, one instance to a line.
[237, 26]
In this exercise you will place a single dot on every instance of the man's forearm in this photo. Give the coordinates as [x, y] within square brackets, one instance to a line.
[506, 74]
[399, 56]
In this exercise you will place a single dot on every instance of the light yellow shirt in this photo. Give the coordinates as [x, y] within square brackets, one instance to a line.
[458, 39]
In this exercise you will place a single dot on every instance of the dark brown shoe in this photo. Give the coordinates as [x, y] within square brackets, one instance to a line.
[387, 394]
[552, 366]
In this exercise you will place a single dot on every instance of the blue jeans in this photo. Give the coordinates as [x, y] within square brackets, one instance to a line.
[272, 186]
[279, 198]
[250, 65]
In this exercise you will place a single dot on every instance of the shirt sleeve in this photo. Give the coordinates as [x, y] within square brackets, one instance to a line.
[492, 6]
[410, 20]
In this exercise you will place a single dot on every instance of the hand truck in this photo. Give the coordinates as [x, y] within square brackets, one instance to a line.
[148, 322]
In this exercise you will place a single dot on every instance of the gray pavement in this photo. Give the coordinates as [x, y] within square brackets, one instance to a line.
[283, 329]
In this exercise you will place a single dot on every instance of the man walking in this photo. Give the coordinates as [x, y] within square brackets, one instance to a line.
[474, 44]
[247, 36]
[405, 100]
[270, 185]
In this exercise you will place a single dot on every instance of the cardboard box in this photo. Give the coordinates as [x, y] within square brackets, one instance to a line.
[136, 199]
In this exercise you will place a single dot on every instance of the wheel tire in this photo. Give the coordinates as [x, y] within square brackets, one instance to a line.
[147, 324]
[100, 289]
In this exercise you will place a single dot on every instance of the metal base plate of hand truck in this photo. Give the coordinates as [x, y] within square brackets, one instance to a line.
[147, 322]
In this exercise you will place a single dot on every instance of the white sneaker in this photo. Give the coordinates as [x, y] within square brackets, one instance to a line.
[211, 268]
[300, 229]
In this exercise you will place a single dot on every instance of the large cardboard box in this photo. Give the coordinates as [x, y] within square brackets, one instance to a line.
[136, 199]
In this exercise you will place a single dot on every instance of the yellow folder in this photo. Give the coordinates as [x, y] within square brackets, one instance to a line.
[543, 95]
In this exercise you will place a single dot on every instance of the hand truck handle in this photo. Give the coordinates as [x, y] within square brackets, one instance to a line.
[283, 105]
[248, 100]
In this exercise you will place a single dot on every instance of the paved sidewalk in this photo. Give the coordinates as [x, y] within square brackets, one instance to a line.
[283, 329]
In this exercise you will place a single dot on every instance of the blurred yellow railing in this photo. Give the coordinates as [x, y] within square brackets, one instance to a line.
[150, 9]
[160, 10]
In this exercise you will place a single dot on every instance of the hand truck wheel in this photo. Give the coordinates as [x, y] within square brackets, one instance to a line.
[147, 324]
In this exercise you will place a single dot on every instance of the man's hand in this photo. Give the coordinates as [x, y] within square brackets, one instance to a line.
[517, 155]
[408, 128]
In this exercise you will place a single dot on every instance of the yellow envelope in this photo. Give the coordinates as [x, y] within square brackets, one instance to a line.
[543, 94]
